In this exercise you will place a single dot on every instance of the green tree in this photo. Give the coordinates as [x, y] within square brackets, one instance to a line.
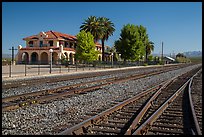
[143, 34]
[85, 50]
[130, 44]
[107, 30]
[93, 26]
[149, 45]
[115, 54]
[150, 57]
[149, 48]
[180, 55]
[181, 58]
[101, 28]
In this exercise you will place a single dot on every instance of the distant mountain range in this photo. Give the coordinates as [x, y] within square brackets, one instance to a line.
[187, 54]
[193, 54]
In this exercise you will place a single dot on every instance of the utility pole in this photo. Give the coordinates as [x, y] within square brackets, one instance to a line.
[12, 53]
[173, 54]
[162, 53]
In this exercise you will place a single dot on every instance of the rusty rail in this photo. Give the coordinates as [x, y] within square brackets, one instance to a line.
[142, 129]
[53, 95]
[198, 131]
[85, 126]
[136, 121]
[77, 129]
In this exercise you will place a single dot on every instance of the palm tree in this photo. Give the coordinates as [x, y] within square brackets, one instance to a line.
[107, 30]
[149, 48]
[92, 25]
[101, 28]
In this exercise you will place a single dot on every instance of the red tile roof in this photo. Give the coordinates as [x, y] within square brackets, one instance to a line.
[57, 35]
[54, 35]
[40, 48]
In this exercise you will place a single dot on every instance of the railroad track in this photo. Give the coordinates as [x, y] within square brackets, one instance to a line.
[174, 117]
[132, 115]
[21, 83]
[195, 98]
[15, 102]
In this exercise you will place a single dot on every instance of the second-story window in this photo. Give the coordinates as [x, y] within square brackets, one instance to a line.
[51, 43]
[75, 45]
[41, 43]
[71, 45]
[30, 43]
[60, 42]
[66, 44]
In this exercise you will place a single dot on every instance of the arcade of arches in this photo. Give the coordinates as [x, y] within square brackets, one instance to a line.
[33, 57]
[43, 57]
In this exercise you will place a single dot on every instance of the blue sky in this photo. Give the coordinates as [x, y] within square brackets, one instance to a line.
[177, 24]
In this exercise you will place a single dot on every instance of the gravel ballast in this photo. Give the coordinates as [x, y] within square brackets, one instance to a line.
[47, 118]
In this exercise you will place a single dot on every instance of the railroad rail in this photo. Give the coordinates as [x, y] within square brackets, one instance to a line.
[196, 104]
[22, 100]
[27, 82]
[174, 116]
[133, 115]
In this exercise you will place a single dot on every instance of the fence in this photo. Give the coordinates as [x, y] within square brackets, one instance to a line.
[38, 68]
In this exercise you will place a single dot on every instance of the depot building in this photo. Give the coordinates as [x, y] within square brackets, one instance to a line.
[38, 47]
